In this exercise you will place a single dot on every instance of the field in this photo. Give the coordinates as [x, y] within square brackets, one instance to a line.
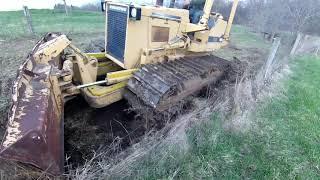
[14, 24]
[272, 135]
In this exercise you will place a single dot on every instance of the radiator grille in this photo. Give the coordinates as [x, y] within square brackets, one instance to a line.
[117, 27]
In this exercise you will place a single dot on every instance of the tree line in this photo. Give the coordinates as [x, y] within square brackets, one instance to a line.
[275, 16]
[270, 16]
[87, 7]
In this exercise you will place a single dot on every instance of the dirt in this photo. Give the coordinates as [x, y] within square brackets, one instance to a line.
[120, 164]
[113, 128]
[88, 130]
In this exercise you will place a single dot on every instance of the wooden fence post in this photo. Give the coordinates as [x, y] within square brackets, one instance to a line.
[65, 7]
[28, 18]
[296, 43]
[272, 55]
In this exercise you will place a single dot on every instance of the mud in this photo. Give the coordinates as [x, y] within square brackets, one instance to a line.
[113, 129]
[116, 127]
[89, 130]
[110, 130]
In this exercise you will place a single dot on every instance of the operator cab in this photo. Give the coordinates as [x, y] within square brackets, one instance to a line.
[141, 32]
[195, 7]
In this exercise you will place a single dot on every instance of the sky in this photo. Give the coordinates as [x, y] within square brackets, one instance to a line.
[12, 5]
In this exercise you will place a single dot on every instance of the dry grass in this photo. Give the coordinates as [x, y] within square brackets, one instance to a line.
[173, 141]
[172, 136]
[251, 88]
[235, 104]
[175, 136]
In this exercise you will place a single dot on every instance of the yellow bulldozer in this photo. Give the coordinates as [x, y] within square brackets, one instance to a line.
[154, 57]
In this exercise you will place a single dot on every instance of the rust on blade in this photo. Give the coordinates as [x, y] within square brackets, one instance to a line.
[35, 127]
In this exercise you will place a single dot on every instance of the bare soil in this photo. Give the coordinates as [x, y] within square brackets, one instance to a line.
[115, 128]
[89, 130]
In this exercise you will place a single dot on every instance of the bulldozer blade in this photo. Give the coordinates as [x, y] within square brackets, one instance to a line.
[34, 132]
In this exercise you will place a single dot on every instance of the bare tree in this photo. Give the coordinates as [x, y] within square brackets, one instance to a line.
[302, 12]
[282, 15]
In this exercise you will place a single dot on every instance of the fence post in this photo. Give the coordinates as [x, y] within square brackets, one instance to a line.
[1, 88]
[272, 55]
[296, 43]
[28, 18]
[65, 7]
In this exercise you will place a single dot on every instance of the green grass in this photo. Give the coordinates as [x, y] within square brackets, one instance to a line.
[243, 37]
[284, 145]
[13, 24]
[248, 43]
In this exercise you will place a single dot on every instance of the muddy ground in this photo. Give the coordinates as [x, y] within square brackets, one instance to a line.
[117, 127]
[89, 130]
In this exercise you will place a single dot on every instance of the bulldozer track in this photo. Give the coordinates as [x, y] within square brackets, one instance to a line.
[163, 88]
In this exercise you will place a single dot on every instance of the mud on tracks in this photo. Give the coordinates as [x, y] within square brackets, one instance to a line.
[113, 129]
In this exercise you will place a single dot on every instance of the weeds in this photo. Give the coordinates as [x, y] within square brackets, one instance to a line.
[281, 144]
[170, 153]
[228, 145]
[201, 144]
